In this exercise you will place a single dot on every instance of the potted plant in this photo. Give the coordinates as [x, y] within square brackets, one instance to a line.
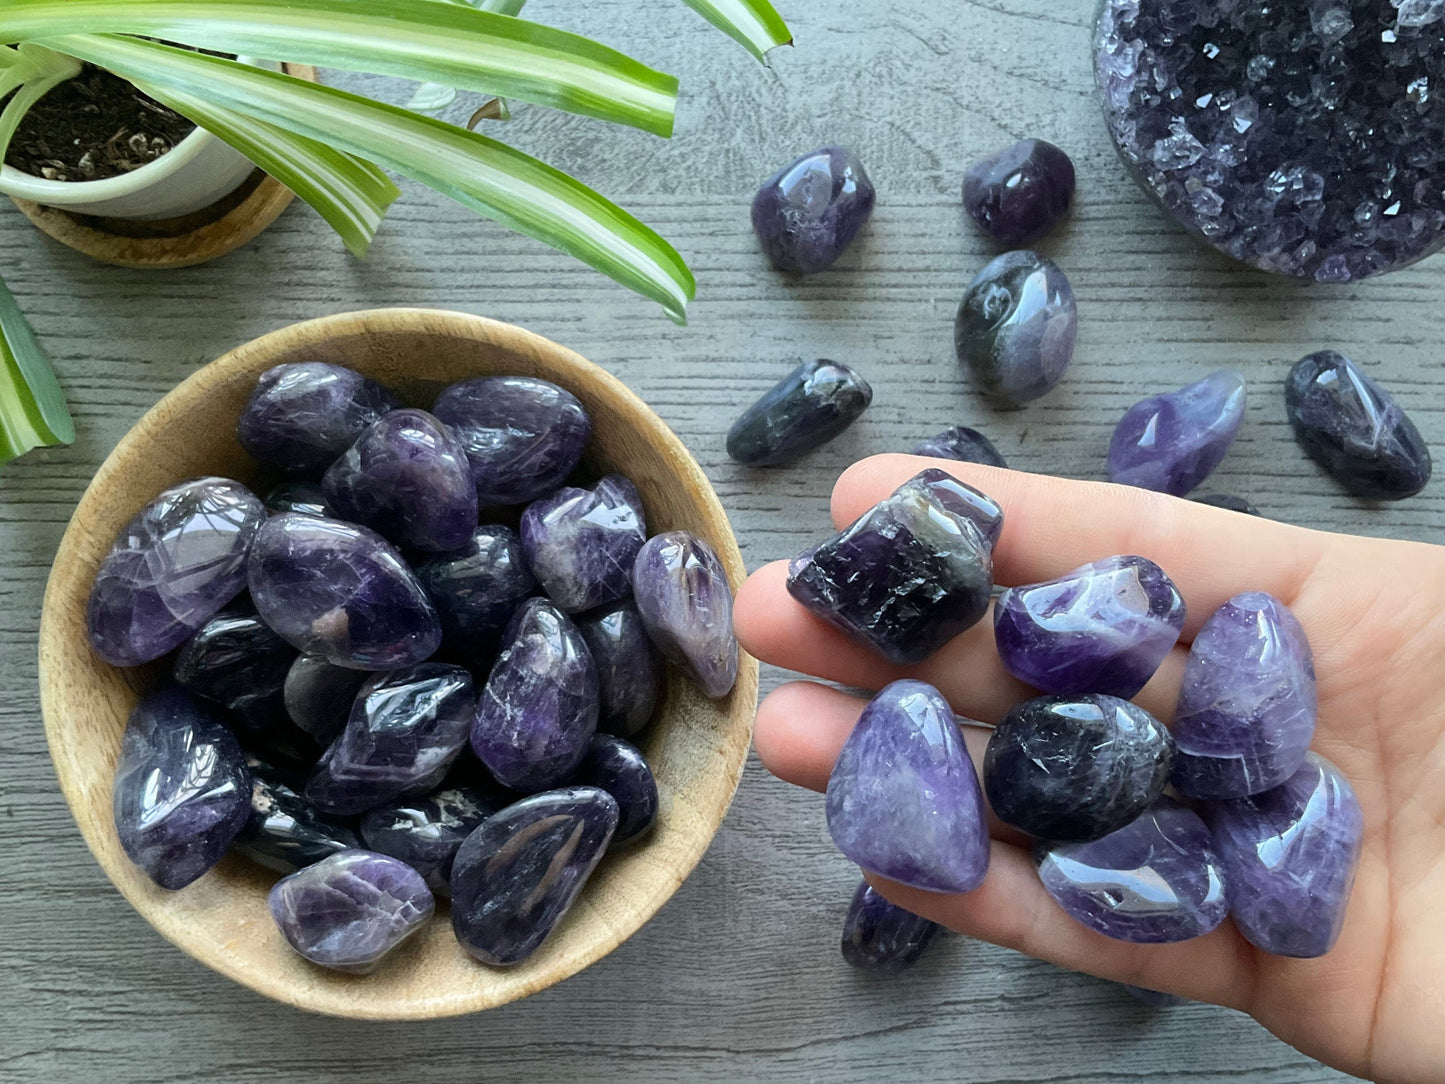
[331, 147]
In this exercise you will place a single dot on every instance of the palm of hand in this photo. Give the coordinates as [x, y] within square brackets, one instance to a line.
[1375, 614]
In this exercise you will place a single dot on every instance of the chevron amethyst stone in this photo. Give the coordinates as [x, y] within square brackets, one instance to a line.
[303, 415]
[1171, 442]
[962, 444]
[286, 832]
[235, 660]
[1020, 193]
[1016, 328]
[427, 832]
[580, 543]
[618, 767]
[810, 406]
[477, 588]
[298, 495]
[629, 669]
[318, 696]
[808, 212]
[881, 937]
[686, 605]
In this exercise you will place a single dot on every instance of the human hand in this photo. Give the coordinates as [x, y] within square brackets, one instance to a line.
[1374, 611]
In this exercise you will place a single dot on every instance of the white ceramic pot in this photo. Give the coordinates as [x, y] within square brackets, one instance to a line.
[197, 172]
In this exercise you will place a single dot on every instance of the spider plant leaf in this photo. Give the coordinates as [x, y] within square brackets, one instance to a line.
[434, 97]
[753, 24]
[32, 406]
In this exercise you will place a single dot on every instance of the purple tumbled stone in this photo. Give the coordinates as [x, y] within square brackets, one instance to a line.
[1290, 855]
[810, 406]
[539, 708]
[235, 660]
[286, 832]
[1020, 193]
[618, 767]
[427, 832]
[580, 543]
[303, 415]
[407, 478]
[522, 869]
[686, 605]
[881, 937]
[523, 436]
[1246, 711]
[477, 588]
[1171, 442]
[318, 696]
[1152, 999]
[911, 574]
[406, 729]
[629, 669]
[1102, 628]
[1156, 880]
[1227, 501]
[1016, 328]
[348, 911]
[904, 800]
[182, 791]
[342, 592]
[173, 567]
[962, 444]
[298, 495]
[808, 212]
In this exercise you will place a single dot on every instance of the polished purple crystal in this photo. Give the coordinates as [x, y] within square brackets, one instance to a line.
[303, 415]
[408, 478]
[539, 708]
[235, 660]
[426, 832]
[522, 435]
[629, 669]
[1172, 442]
[286, 832]
[1016, 328]
[1289, 855]
[881, 937]
[808, 212]
[962, 444]
[911, 574]
[686, 605]
[903, 800]
[1152, 999]
[1020, 193]
[348, 911]
[1156, 880]
[810, 406]
[171, 569]
[618, 767]
[342, 592]
[580, 543]
[1246, 711]
[477, 588]
[283, 747]
[1075, 768]
[522, 869]
[1102, 628]
[298, 495]
[1354, 429]
[318, 696]
[182, 790]
[1228, 501]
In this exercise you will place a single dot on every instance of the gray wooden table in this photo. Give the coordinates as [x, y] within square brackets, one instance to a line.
[739, 976]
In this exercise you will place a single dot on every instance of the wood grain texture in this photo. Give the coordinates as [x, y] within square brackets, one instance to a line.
[738, 977]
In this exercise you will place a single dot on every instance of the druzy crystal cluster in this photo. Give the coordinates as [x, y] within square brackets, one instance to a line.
[384, 690]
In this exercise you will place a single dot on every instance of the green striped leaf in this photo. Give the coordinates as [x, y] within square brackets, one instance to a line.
[753, 24]
[32, 406]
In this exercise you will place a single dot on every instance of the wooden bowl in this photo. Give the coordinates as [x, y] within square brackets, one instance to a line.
[696, 746]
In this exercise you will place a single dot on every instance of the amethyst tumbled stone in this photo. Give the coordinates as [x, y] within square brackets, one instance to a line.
[539, 708]
[1290, 855]
[522, 869]
[407, 478]
[629, 669]
[318, 696]
[1075, 768]
[1102, 628]
[236, 661]
[1156, 880]
[810, 210]
[303, 415]
[1227, 501]
[1354, 429]
[912, 573]
[286, 832]
[342, 592]
[618, 767]
[1171, 442]
[962, 444]
[522, 435]
[298, 495]
[686, 605]
[171, 569]
[348, 911]
[182, 791]
[1021, 192]
[580, 543]
[904, 800]
[805, 410]
[1016, 328]
[1246, 711]
[477, 588]
[881, 937]
[426, 832]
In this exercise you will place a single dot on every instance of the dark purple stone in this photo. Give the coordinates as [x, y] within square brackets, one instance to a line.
[426, 832]
[348, 911]
[1152, 999]
[1075, 768]
[1171, 442]
[1016, 328]
[285, 748]
[1289, 855]
[342, 592]
[318, 696]
[478, 588]
[539, 708]
[962, 444]
[1021, 193]
[522, 435]
[629, 669]
[1246, 712]
[810, 406]
[236, 661]
[522, 869]
[580, 543]
[618, 767]
[881, 937]
[1102, 628]
[686, 605]
[406, 729]
[174, 566]
[303, 415]
[182, 791]
[1227, 501]
[911, 574]
[903, 800]
[407, 478]
[1354, 429]
[1156, 880]
[1303, 138]
[808, 212]
[286, 832]
[299, 495]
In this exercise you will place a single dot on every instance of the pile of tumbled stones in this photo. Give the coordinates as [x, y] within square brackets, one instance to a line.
[384, 690]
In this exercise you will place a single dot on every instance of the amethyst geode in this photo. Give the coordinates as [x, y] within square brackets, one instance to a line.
[580, 543]
[303, 415]
[810, 210]
[1306, 138]
[686, 605]
[881, 937]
